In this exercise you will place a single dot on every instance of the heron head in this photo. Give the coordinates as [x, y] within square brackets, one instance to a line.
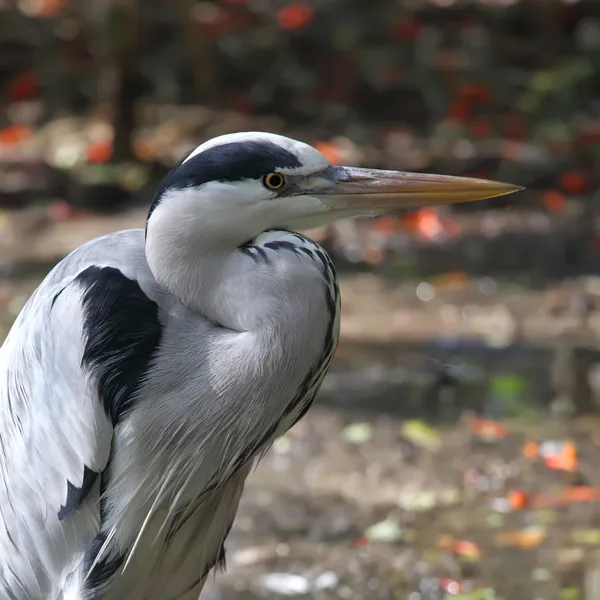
[241, 184]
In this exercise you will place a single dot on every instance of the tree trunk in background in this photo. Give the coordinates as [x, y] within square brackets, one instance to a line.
[125, 24]
[199, 54]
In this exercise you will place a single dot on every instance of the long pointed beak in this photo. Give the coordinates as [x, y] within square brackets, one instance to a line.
[374, 190]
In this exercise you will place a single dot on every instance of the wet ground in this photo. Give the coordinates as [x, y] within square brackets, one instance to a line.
[443, 458]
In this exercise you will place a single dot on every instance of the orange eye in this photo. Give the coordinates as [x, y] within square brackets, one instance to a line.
[273, 181]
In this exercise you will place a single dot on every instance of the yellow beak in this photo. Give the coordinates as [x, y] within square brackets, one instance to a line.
[378, 191]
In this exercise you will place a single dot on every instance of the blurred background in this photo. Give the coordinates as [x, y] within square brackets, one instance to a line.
[454, 450]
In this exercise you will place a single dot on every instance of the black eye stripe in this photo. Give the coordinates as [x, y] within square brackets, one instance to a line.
[228, 162]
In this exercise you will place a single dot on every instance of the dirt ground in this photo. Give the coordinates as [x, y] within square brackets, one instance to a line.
[354, 506]
[433, 466]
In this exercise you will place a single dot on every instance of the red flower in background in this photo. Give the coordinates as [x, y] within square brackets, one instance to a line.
[49, 8]
[329, 92]
[515, 127]
[241, 103]
[475, 92]
[295, 16]
[459, 111]
[99, 152]
[407, 29]
[574, 182]
[481, 129]
[23, 87]
[554, 201]
[330, 151]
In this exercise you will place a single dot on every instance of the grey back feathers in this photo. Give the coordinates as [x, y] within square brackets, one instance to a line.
[130, 418]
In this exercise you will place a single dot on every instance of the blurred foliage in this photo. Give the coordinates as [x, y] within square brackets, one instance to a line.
[500, 89]
[376, 72]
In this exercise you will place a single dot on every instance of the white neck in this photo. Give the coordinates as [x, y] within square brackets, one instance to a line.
[202, 265]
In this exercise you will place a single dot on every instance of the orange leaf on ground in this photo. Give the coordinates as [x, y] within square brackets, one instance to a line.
[525, 538]
[561, 458]
[581, 493]
[466, 549]
[361, 542]
[488, 429]
[518, 499]
[572, 495]
[530, 450]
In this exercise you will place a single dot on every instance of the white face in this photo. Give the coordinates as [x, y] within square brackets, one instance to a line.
[293, 206]
[259, 208]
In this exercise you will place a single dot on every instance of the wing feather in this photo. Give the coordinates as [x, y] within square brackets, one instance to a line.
[67, 371]
[54, 434]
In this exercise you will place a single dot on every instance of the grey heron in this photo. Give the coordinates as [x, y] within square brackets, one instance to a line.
[151, 368]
